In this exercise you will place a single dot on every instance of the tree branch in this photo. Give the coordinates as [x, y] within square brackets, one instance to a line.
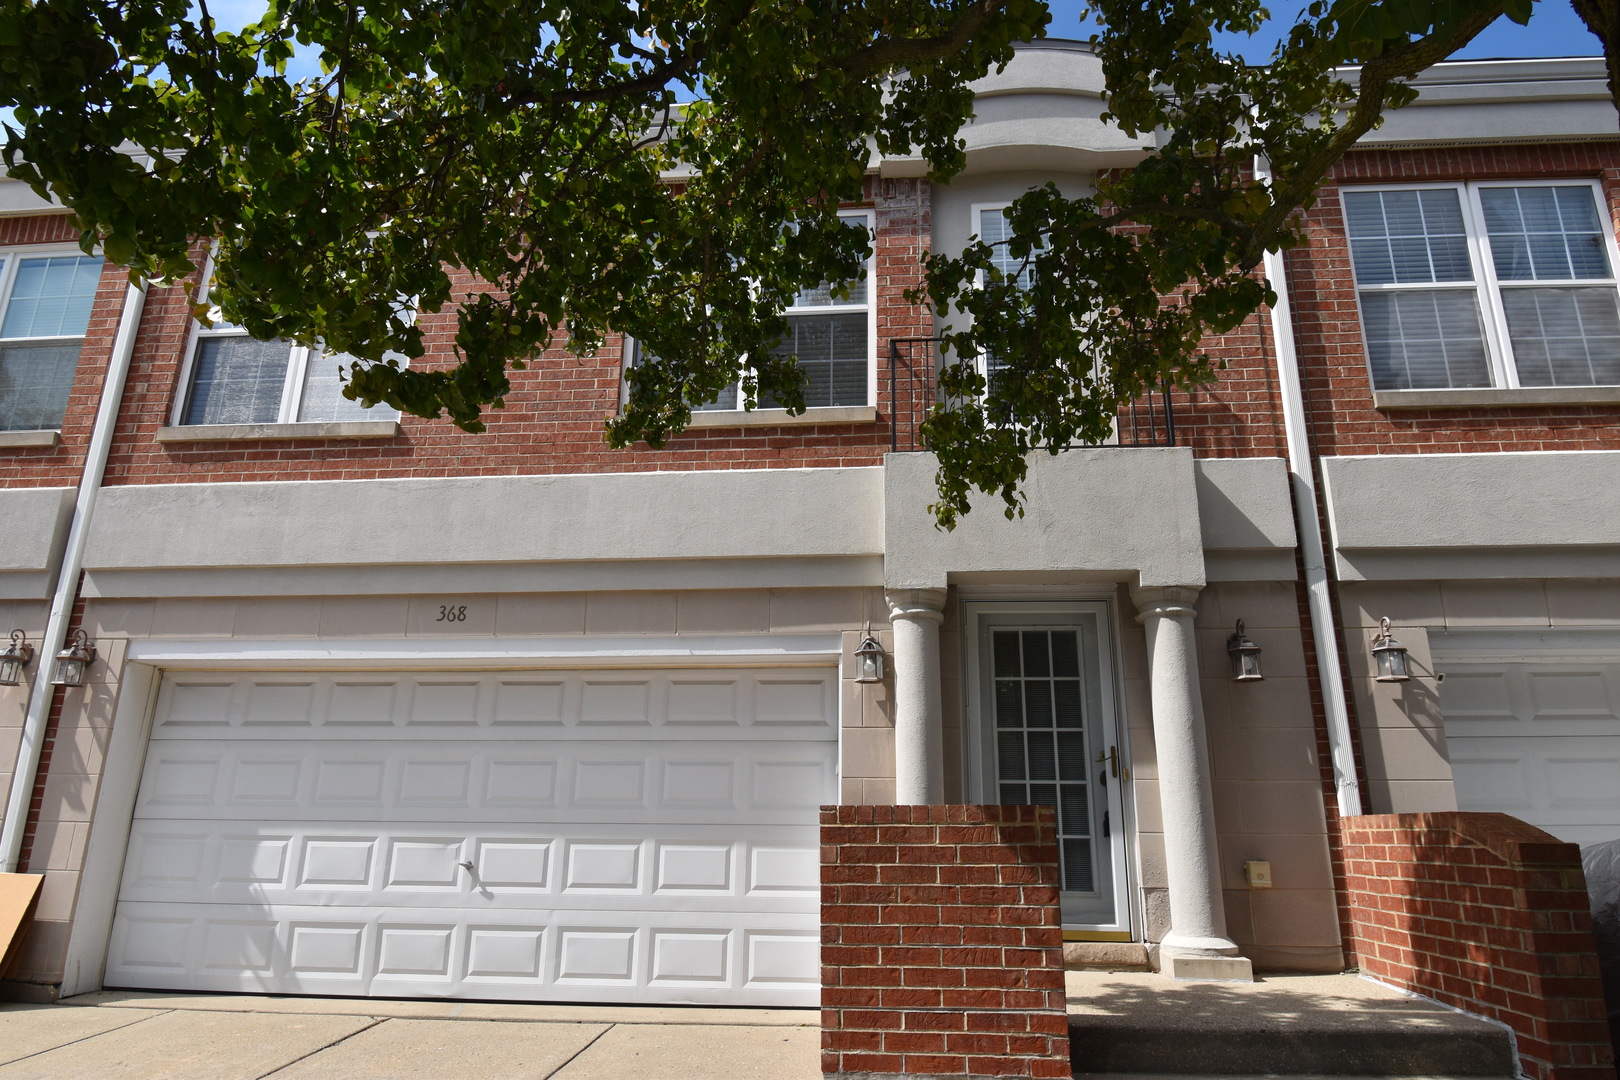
[903, 52]
[1399, 61]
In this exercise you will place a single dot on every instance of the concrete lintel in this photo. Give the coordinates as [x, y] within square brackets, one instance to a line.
[33, 528]
[1479, 502]
[566, 576]
[1125, 514]
[689, 514]
[1478, 563]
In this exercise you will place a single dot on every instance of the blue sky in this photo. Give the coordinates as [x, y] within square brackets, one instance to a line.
[1554, 30]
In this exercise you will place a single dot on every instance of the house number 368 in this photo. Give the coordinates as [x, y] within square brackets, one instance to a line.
[452, 613]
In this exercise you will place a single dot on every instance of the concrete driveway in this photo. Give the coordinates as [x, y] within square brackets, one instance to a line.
[141, 1036]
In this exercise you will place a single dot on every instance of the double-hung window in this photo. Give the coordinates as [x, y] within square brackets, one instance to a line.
[235, 379]
[45, 302]
[993, 228]
[834, 337]
[1486, 284]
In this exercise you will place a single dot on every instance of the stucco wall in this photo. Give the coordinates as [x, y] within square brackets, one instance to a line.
[33, 528]
[685, 515]
[1401, 724]
[1109, 512]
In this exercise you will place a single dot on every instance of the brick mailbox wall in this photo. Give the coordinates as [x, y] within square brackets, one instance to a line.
[942, 949]
[1488, 914]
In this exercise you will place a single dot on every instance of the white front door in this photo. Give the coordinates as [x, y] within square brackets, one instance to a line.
[1533, 729]
[1044, 726]
[628, 836]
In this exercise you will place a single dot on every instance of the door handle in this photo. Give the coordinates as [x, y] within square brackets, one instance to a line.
[1111, 755]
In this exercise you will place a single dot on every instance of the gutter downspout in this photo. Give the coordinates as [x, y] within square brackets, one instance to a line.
[1302, 478]
[67, 583]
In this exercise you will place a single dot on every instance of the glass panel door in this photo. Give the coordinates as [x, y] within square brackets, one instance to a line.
[1046, 725]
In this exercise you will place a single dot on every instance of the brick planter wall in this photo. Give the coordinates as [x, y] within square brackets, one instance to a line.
[942, 949]
[1488, 914]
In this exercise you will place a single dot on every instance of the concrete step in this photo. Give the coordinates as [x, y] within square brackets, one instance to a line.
[1106, 956]
[1318, 1025]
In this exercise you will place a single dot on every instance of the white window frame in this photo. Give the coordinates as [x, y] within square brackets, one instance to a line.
[979, 210]
[13, 257]
[1486, 286]
[631, 348]
[292, 388]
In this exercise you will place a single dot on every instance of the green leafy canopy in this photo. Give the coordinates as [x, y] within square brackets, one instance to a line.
[628, 166]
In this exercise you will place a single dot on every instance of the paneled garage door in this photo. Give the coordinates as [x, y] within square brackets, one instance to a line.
[1537, 737]
[585, 836]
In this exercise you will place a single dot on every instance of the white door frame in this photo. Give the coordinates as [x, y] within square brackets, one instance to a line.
[978, 750]
[90, 932]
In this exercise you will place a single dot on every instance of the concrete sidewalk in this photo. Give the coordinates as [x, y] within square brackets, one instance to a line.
[144, 1036]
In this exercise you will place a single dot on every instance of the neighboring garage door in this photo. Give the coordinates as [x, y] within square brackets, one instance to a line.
[1535, 735]
[646, 836]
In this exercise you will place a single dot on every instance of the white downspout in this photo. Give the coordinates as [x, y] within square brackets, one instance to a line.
[67, 583]
[1302, 479]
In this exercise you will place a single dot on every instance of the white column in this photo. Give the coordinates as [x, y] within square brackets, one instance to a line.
[919, 736]
[1197, 946]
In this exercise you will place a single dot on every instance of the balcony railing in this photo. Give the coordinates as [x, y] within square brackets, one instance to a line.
[913, 390]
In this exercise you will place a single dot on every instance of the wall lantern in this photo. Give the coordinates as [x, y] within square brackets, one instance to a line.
[1390, 654]
[1245, 656]
[869, 660]
[71, 661]
[14, 659]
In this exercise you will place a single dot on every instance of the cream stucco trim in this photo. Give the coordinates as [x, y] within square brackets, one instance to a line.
[680, 650]
[20, 439]
[324, 429]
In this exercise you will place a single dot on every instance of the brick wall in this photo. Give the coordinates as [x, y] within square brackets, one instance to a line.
[61, 465]
[553, 418]
[942, 949]
[1328, 325]
[1488, 914]
[552, 422]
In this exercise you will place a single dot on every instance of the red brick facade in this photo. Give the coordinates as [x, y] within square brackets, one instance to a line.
[942, 951]
[60, 466]
[1328, 327]
[1487, 914]
[553, 417]
[552, 422]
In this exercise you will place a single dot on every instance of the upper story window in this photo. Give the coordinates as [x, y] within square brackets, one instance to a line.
[992, 226]
[234, 379]
[1486, 284]
[834, 337]
[45, 302]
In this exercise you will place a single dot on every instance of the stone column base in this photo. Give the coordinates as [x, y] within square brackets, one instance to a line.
[1206, 968]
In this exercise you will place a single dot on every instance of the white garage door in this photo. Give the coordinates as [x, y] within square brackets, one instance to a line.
[586, 836]
[1536, 736]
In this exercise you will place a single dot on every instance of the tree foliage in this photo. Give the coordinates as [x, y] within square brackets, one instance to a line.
[631, 166]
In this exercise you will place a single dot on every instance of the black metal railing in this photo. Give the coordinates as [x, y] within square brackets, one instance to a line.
[913, 390]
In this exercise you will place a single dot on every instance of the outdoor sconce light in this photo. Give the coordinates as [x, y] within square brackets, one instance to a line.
[1390, 655]
[71, 661]
[869, 660]
[1245, 656]
[14, 659]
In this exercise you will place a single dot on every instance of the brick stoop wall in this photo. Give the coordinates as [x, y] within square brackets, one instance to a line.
[941, 943]
[1487, 914]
